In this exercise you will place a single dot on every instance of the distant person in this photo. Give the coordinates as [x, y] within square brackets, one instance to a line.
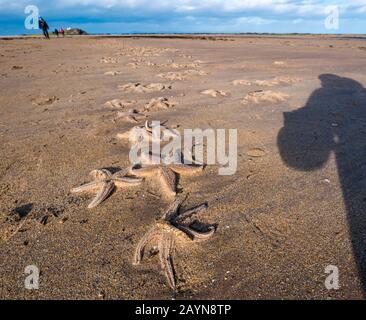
[62, 31]
[56, 33]
[44, 26]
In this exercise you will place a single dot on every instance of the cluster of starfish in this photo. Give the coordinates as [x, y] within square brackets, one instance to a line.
[171, 225]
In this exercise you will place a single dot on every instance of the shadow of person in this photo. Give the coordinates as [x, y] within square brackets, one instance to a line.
[334, 121]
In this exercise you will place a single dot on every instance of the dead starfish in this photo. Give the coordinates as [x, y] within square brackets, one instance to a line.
[147, 133]
[166, 172]
[168, 228]
[104, 183]
[214, 93]
[132, 115]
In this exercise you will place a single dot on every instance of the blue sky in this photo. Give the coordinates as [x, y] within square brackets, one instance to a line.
[127, 16]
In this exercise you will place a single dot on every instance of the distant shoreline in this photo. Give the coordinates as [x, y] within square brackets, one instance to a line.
[202, 36]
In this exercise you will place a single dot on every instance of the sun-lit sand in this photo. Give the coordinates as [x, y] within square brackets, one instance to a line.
[279, 221]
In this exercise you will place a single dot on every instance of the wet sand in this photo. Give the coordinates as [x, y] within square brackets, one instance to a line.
[282, 219]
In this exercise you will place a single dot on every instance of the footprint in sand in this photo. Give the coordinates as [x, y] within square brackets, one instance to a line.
[265, 96]
[43, 101]
[140, 88]
[108, 60]
[266, 83]
[183, 75]
[113, 73]
[160, 103]
[120, 104]
[214, 93]
[256, 153]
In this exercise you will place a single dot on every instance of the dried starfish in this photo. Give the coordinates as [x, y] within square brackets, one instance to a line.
[160, 103]
[168, 228]
[140, 88]
[120, 104]
[214, 93]
[132, 115]
[166, 172]
[104, 183]
[147, 133]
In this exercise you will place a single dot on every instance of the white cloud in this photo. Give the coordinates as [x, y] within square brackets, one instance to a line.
[215, 14]
[254, 20]
[300, 8]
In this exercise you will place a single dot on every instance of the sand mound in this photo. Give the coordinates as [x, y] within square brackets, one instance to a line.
[119, 104]
[279, 63]
[139, 64]
[180, 65]
[183, 75]
[140, 88]
[214, 93]
[265, 96]
[43, 101]
[108, 60]
[112, 73]
[266, 83]
[145, 51]
[160, 103]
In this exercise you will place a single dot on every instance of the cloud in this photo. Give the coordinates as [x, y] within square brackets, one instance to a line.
[203, 15]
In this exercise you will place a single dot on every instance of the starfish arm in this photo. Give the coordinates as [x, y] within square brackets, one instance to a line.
[127, 181]
[121, 114]
[88, 187]
[192, 211]
[185, 169]
[121, 173]
[101, 174]
[126, 116]
[145, 171]
[190, 159]
[139, 252]
[195, 235]
[123, 136]
[168, 181]
[172, 211]
[131, 118]
[166, 248]
[170, 133]
[102, 194]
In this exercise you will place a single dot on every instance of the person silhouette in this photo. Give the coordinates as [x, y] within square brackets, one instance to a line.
[44, 27]
[334, 121]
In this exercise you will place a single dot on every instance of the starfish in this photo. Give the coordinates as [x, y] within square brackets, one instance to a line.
[147, 133]
[159, 103]
[120, 104]
[104, 183]
[132, 115]
[164, 233]
[214, 93]
[166, 172]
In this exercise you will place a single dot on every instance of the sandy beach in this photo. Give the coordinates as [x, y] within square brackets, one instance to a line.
[295, 205]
